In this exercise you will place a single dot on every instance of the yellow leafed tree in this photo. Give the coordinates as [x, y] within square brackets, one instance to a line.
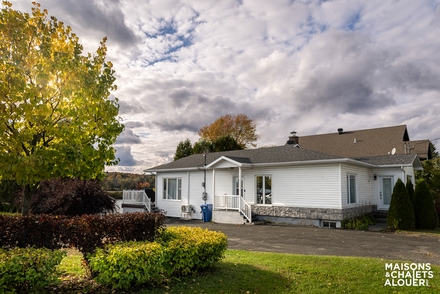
[240, 127]
[56, 116]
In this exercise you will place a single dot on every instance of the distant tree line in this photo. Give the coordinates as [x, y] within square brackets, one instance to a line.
[115, 181]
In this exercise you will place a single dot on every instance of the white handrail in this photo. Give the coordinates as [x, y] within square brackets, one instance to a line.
[233, 202]
[136, 197]
[246, 209]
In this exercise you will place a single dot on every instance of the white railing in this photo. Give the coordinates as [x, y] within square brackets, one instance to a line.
[136, 197]
[245, 209]
[233, 202]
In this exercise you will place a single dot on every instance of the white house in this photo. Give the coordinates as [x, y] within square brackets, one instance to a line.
[281, 184]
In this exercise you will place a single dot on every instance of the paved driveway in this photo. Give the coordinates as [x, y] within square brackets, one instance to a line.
[319, 241]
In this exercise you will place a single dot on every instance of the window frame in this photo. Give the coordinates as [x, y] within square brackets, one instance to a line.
[178, 191]
[350, 190]
[263, 181]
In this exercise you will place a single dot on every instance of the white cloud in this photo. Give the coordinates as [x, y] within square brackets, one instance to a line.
[308, 66]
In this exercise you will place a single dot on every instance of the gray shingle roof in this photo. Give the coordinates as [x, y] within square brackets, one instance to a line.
[397, 159]
[358, 143]
[278, 154]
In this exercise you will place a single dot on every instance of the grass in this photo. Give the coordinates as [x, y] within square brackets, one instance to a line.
[259, 272]
[71, 265]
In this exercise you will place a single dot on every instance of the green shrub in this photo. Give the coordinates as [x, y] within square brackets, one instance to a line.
[188, 249]
[424, 208]
[360, 223]
[28, 270]
[178, 251]
[127, 264]
[410, 189]
[400, 214]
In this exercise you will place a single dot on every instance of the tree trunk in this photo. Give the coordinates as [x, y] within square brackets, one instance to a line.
[27, 196]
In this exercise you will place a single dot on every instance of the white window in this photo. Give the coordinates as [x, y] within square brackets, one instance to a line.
[172, 188]
[264, 189]
[351, 189]
[329, 224]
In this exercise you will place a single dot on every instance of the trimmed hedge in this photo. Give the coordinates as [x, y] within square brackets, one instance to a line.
[124, 265]
[178, 251]
[86, 232]
[188, 249]
[28, 270]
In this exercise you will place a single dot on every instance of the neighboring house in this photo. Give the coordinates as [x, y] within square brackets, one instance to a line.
[287, 183]
[369, 142]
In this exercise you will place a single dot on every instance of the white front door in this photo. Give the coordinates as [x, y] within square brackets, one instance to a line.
[386, 185]
[236, 189]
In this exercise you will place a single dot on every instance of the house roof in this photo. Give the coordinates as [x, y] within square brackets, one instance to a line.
[392, 160]
[286, 153]
[369, 142]
[421, 147]
[277, 155]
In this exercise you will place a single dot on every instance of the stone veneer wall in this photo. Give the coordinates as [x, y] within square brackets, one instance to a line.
[311, 213]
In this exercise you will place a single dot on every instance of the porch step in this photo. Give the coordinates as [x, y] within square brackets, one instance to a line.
[255, 221]
[154, 208]
[379, 214]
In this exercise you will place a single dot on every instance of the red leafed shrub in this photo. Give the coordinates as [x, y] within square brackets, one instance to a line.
[86, 232]
[71, 197]
[32, 230]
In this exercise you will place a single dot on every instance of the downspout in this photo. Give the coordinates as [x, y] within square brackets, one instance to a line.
[239, 188]
[188, 180]
[205, 196]
[213, 187]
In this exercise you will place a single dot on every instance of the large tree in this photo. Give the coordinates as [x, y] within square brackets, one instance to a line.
[240, 127]
[431, 173]
[57, 119]
[183, 149]
[225, 143]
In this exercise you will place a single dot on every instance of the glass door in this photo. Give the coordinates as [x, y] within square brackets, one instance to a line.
[386, 186]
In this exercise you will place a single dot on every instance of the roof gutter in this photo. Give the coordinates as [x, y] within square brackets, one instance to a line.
[313, 162]
[171, 169]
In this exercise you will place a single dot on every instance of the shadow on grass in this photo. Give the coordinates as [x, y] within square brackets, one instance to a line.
[226, 277]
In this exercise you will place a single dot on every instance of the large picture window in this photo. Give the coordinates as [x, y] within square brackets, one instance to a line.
[351, 189]
[264, 189]
[172, 188]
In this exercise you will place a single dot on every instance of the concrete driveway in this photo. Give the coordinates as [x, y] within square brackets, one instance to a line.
[318, 241]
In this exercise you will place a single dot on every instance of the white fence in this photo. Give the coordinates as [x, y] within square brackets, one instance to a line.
[233, 202]
[137, 197]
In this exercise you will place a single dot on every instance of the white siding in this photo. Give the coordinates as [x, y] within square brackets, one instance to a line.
[172, 207]
[363, 176]
[395, 173]
[224, 181]
[196, 191]
[311, 186]
[315, 186]
[299, 186]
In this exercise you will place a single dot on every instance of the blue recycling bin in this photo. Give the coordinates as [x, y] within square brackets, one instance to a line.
[206, 212]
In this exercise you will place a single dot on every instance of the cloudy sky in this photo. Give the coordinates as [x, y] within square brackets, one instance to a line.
[306, 66]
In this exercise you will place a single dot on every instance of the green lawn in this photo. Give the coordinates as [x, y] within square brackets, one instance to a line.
[258, 272]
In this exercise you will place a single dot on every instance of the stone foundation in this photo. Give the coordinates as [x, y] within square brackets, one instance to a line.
[311, 214]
